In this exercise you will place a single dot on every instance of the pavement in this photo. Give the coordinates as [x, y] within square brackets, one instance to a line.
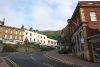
[70, 59]
[3, 62]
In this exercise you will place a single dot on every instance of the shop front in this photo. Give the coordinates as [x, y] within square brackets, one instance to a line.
[96, 49]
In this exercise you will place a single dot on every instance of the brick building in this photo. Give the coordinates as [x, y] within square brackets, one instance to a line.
[64, 41]
[85, 30]
[10, 34]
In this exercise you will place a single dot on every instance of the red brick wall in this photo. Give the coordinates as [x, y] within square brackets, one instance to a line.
[87, 10]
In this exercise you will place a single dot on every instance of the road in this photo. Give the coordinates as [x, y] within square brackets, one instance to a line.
[35, 59]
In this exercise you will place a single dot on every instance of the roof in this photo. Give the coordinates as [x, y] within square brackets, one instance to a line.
[89, 3]
[11, 27]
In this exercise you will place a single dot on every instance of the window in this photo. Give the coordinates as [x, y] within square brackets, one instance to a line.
[48, 41]
[34, 40]
[41, 36]
[20, 33]
[41, 41]
[6, 30]
[5, 36]
[93, 16]
[16, 32]
[15, 37]
[44, 37]
[30, 39]
[10, 36]
[30, 34]
[11, 31]
[51, 42]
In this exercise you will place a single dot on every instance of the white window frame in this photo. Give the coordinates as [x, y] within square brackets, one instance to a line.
[20, 33]
[16, 32]
[6, 31]
[93, 16]
[11, 31]
[15, 37]
[10, 36]
[5, 36]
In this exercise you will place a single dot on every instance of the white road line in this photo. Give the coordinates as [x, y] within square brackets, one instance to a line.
[48, 65]
[32, 57]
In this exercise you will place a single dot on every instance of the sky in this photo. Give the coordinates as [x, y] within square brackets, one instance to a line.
[38, 14]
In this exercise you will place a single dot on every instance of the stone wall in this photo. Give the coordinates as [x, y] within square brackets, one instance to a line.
[24, 49]
[1, 48]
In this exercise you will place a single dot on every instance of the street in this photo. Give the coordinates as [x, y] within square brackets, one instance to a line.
[35, 59]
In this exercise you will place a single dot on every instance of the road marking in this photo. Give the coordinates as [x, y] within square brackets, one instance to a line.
[12, 62]
[32, 57]
[48, 65]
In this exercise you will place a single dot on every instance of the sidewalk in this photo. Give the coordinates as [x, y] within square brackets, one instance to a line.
[69, 59]
[3, 63]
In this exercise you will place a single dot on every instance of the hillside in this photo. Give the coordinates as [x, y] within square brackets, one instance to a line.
[51, 34]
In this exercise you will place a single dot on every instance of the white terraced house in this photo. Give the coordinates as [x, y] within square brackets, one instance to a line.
[37, 38]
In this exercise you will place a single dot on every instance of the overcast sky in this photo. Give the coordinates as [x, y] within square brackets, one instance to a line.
[39, 14]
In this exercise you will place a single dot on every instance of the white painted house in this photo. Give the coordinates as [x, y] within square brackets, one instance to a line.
[52, 42]
[37, 38]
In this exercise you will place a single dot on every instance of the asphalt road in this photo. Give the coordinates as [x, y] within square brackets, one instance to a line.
[35, 59]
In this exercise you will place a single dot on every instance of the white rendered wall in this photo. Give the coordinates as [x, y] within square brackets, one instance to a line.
[52, 42]
[38, 38]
